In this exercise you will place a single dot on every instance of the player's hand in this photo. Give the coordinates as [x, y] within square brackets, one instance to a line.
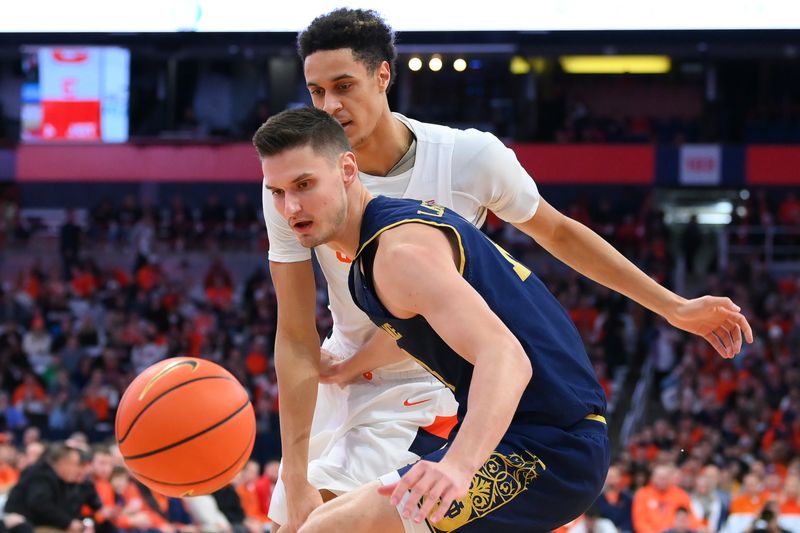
[333, 370]
[438, 483]
[717, 320]
[301, 500]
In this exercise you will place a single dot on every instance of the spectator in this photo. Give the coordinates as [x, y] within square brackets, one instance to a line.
[11, 417]
[69, 239]
[767, 522]
[589, 522]
[656, 505]
[789, 507]
[255, 518]
[31, 399]
[682, 521]
[8, 469]
[707, 506]
[133, 512]
[206, 514]
[616, 502]
[266, 484]
[230, 505]
[747, 505]
[37, 343]
[42, 493]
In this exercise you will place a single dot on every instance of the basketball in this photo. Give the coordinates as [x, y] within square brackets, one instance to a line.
[185, 427]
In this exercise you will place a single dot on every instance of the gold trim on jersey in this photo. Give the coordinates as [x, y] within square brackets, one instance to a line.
[432, 371]
[463, 258]
[596, 418]
[393, 333]
[501, 479]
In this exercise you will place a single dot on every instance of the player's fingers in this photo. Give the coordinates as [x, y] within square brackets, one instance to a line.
[445, 501]
[431, 499]
[741, 321]
[418, 491]
[402, 486]
[745, 325]
[725, 340]
[736, 334]
[715, 342]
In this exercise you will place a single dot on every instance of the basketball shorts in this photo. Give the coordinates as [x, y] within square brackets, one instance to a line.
[370, 427]
[538, 479]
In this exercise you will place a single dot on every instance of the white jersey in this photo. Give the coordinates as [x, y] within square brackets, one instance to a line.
[466, 170]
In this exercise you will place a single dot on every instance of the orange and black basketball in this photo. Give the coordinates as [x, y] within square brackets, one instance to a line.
[185, 427]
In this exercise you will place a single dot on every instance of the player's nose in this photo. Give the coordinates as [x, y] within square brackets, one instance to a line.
[291, 204]
[331, 105]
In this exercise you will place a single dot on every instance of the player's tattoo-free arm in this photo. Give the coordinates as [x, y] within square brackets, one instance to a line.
[297, 356]
[415, 273]
[380, 350]
[718, 320]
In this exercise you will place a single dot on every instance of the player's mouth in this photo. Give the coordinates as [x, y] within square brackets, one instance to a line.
[303, 226]
[346, 124]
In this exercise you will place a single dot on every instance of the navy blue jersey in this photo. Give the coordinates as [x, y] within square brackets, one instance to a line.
[564, 388]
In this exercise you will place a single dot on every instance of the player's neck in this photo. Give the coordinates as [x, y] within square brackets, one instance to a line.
[348, 238]
[388, 143]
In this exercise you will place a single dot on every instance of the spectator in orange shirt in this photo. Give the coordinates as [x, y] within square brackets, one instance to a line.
[100, 473]
[256, 361]
[790, 499]
[255, 518]
[747, 505]
[656, 505]
[751, 497]
[8, 471]
[132, 511]
[30, 398]
[266, 484]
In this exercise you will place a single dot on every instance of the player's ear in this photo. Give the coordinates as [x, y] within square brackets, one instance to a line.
[384, 76]
[349, 167]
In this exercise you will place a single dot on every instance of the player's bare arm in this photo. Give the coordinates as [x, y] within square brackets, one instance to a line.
[718, 320]
[415, 273]
[380, 350]
[297, 366]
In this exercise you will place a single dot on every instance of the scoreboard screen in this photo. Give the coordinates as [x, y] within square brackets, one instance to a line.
[74, 93]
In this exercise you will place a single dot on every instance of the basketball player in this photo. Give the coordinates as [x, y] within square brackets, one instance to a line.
[399, 412]
[530, 451]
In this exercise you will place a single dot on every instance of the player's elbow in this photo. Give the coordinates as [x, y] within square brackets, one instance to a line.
[518, 369]
[523, 368]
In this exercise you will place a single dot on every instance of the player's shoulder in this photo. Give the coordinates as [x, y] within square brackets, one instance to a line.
[430, 132]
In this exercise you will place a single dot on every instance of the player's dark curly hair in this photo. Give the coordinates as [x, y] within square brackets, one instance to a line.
[363, 31]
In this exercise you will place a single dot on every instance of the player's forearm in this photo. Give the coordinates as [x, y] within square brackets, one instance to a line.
[297, 368]
[498, 380]
[585, 251]
[380, 350]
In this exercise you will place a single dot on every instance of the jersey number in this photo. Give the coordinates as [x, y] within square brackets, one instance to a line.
[522, 271]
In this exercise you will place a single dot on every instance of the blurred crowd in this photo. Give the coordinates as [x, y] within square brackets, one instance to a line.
[719, 454]
[74, 487]
[130, 224]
